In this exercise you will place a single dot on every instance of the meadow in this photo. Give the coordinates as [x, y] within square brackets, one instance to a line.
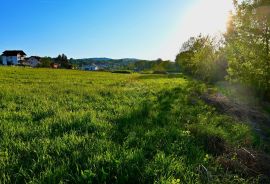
[64, 126]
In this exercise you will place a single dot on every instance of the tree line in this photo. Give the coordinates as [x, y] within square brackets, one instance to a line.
[240, 56]
[155, 65]
[61, 60]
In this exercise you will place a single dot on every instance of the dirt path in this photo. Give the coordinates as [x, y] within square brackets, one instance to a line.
[241, 160]
[259, 120]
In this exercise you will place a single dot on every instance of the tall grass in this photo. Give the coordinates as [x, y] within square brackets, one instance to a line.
[62, 126]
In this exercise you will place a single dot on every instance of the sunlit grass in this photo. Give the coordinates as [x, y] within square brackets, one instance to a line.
[91, 127]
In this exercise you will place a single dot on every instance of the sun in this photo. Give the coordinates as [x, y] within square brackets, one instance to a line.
[206, 17]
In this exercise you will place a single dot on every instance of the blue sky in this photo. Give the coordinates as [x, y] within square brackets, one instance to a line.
[146, 29]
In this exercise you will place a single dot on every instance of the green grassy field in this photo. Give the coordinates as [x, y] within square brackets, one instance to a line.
[63, 126]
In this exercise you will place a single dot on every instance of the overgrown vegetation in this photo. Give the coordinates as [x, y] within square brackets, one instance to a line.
[241, 56]
[247, 46]
[203, 58]
[64, 126]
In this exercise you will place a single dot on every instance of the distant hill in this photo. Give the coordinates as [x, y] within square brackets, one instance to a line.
[99, 59]
[107, 59]
[130, 59]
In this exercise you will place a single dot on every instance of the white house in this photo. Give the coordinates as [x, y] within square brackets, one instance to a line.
[34, 61]
[13, 57]
[89, 67]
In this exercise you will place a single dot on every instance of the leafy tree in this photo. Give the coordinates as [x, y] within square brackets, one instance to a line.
[158, 65]
[63, 61]
[161, 65]
[247, 47]
[202, 57]
[144, 65]
[45, 62]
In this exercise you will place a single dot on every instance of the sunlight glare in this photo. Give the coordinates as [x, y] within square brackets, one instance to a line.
[207, 17]
[204, 16]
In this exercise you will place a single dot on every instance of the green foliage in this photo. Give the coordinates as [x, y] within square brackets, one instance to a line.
[202, 57]
[183, 61]
[244, 55]
[157, 65]
[247, 46]
[65, 126]
[45, 62]
[63, 61]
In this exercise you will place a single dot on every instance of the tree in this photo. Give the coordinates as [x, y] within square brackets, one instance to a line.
[45, 62]
[158, 65]
[182, 61]
[202, 57]
[63, 61]
[247, 47]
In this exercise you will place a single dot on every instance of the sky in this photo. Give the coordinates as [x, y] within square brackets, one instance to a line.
[143, 29]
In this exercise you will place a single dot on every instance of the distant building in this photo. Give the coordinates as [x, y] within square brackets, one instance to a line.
[23, 63]
[103, 66]
[55, 65]
[33, 61]
[13, 57]
[89, 67]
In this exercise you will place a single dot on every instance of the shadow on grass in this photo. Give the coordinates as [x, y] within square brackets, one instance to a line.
[150, 114]
[156, 127]
[153, 129]
[160, 76]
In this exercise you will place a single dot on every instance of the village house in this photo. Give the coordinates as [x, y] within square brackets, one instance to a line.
[55, 65]
[89, 67]
[33, 61]
[13, 57]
